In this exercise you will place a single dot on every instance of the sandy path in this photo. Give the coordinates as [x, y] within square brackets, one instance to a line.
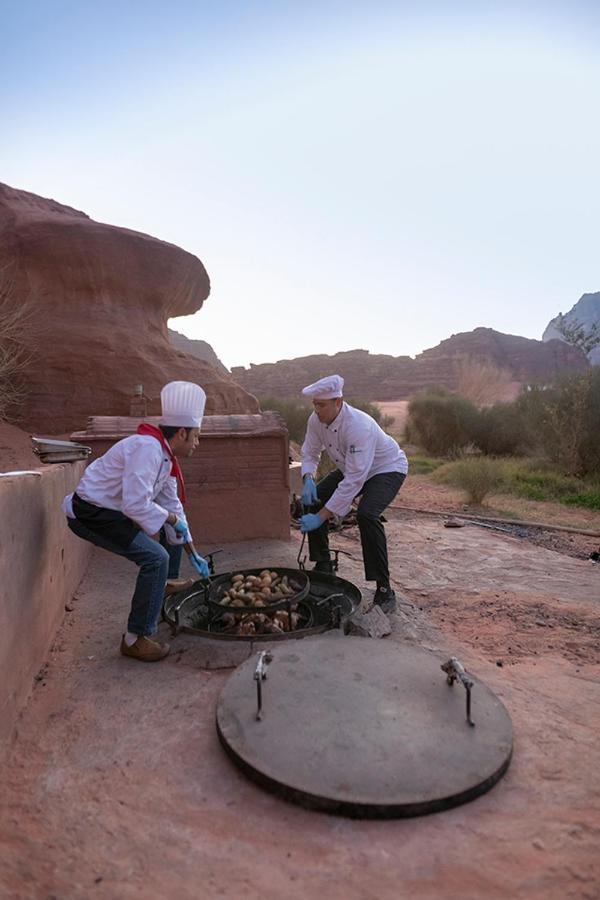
[116, 786]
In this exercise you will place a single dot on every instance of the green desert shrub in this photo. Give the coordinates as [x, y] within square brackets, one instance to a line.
[477, 476]
[563, 421]
[423, 465]
[501, 431]
[589, 447]
[538, 480]
[441, 423]
[294, 413]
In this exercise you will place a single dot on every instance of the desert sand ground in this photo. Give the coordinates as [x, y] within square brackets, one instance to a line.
[115, 785]
[397, 410]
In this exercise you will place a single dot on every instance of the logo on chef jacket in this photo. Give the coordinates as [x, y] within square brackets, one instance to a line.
[355, 449]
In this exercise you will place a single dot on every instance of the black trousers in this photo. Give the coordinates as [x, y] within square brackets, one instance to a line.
[377, 493]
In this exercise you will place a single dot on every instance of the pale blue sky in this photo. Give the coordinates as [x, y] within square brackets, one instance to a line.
[376, 175]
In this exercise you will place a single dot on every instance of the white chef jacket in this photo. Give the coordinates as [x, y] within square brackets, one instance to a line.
[357, 446]
[134, 477]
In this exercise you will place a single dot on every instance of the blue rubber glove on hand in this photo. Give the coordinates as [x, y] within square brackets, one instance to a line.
[200, 565]
[181, 527]
[309, 491]
[309, 522]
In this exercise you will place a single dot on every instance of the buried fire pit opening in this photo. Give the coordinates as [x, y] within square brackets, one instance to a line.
[366, 729]
[327, 603]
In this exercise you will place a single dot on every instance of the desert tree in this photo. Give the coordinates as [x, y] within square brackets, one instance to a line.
[578, 335]
[16, 344]
[482, 382]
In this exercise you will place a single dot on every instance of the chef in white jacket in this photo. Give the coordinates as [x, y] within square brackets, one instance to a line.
[129, 497]
[369, 463]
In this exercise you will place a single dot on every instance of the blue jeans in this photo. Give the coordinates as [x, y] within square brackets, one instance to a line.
[156, 562]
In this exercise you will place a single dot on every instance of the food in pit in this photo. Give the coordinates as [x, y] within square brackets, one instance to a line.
[257, 591]
[260, 623]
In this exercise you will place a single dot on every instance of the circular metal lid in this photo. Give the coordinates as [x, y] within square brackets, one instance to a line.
[363, 728]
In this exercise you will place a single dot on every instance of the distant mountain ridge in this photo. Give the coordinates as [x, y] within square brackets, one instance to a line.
[586, 312]
[199, 349]
[382, 377]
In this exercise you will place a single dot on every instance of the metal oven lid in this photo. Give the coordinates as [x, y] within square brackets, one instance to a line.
[362, 728]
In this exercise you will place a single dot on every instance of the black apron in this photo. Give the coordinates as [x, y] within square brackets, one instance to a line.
[110, 524]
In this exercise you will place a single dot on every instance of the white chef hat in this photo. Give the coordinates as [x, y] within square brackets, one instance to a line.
[327, 388]
[182, 404]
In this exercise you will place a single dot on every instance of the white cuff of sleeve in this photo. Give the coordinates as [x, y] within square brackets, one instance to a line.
[172, 536]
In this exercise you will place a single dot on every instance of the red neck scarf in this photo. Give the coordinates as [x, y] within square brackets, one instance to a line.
[155, 432]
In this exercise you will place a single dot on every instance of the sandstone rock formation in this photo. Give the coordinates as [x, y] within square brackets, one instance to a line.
[198, 349]
[16, 451]
[100, 297]
[585, 312]
[381, 377]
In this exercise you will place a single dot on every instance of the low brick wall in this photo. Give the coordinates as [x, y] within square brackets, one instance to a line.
[41, 565]
[237, 481]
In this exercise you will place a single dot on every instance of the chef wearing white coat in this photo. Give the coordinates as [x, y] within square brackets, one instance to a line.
[369, 463]
[129, 495]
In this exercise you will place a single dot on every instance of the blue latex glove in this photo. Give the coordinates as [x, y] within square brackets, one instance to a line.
[181, 527]
[309, 522]
[309, 491]
[200, 565]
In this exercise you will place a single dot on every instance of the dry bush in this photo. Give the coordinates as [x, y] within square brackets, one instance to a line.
[477, 476]
[483, 383]
[16, 347]
[440, 423]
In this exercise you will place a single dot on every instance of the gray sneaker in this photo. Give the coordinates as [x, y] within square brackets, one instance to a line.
[385, 599]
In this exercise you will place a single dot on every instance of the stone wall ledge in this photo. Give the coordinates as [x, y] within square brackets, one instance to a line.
[41, 565]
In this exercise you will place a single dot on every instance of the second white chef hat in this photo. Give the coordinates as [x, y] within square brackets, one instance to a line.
[182, 404]
[327, 388]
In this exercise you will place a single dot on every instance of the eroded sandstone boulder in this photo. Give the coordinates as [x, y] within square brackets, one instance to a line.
[100, 298]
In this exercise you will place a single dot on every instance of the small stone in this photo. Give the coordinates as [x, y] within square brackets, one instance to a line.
[68, 607]
[539, 845]
[373, 624]
[499, 663]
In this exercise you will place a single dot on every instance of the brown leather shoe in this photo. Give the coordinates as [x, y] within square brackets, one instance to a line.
[178, 584]
[145, 649]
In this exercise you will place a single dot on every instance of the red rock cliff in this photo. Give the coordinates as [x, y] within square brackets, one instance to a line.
[101, 297]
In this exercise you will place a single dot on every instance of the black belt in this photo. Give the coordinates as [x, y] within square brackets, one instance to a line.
[111, 524]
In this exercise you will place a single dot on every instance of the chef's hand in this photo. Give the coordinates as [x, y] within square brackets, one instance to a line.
[200, 565]
[181, 527]
[309, 522]
[309, 491]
